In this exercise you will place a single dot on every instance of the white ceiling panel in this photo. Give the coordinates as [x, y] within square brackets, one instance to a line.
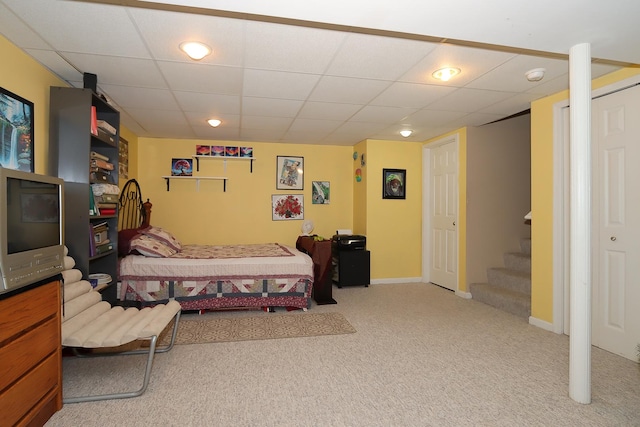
[411, 95]
[208, 102]
[278, 84]
[118, 70]
[328, 111]
[269, 107]
[196, 77]
[346, 90]
[289, 48]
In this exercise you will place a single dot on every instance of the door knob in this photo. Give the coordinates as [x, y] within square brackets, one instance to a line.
[454, 223]
[613, 238]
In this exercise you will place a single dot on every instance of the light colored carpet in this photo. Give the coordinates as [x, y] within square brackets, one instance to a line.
[422, 356]
[223, 329]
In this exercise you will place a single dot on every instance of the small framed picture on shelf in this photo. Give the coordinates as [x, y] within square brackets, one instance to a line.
[246, 151]
[289, 170]
[203, 150]
[217, 150]
[231, 151]
[181, 167]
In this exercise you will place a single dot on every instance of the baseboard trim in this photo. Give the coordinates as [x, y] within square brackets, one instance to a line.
[541, 324]
[465, 295]
[398, 280]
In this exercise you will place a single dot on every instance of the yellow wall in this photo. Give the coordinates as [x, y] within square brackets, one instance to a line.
[461, 223]
[242, 214]
[394, 227]
[20, 74]
[360, 189]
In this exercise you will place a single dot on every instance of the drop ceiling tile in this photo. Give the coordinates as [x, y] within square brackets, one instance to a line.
[377, 57]
[427, 117]
[411, 95]
[56, 64]
[163, 32]
[512, 105]
[270, 107]
[260, 135]
[475, 119]
[217, 134]
[550, 86]
[317, 128]
[208, 102]
[347, 90]
[278, 84]
[290, 48]
[19, 34]
[136, 97]
[378, 114]
[327, 110]
[202, 78]
[267, 123]
[88, 27]
[469, 100]
[118, 70]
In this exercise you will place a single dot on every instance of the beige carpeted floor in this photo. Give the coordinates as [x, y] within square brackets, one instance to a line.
[421, 356]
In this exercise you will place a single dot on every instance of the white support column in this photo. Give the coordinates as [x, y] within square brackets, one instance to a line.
[580, 238]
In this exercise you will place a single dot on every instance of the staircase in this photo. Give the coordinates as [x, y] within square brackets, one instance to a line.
[509, 287]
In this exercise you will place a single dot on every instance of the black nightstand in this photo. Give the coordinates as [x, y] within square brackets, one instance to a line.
[351, 268]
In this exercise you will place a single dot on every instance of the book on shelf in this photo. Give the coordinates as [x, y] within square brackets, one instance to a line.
[96, 155]
[93, 207]
[100, 176]
[102, 205]
[108, 211]
[101, 237]
[92, 241]
[105, 126]
[101, 249]
[94, 121]
[102, 164]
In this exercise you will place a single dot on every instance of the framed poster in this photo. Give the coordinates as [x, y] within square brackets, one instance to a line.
[320, 192]
[286, 207]
[16, 125]
[289, 173]
[394, 183]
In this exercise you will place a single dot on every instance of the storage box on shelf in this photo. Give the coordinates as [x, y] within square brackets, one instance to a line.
[83, 150]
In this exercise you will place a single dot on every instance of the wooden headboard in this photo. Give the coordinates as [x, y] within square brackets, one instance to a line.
[133, 213]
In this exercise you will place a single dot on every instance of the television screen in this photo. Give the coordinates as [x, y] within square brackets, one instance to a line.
[33, 215]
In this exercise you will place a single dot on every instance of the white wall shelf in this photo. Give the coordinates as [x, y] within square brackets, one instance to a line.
[224, 159]
[198, 179]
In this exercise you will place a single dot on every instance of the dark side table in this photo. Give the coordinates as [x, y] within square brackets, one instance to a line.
[320, 253]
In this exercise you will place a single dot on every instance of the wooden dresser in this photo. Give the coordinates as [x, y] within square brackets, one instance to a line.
[30, 355]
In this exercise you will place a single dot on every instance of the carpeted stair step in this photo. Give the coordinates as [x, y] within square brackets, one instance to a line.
[514, 302]
[513, 280]
[517, 261]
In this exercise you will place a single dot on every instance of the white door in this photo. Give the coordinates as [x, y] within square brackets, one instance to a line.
[443, 186]
[616, 222]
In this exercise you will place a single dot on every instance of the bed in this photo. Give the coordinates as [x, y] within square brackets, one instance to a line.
[155, 267]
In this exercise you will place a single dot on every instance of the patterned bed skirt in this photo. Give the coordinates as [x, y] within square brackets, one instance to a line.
[221, 294]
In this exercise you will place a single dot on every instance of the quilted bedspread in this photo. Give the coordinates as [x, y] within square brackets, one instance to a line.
[210, 277]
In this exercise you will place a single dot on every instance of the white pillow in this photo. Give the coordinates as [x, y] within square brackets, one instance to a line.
[163, 236]
[151, 247]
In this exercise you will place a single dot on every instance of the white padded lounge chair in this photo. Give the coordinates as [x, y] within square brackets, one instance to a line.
[90, 323]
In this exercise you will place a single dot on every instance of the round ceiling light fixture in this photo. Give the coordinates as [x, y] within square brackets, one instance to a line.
[535, 75]
[195, 50]
[406, 133]
[214, 122]
[445, 74]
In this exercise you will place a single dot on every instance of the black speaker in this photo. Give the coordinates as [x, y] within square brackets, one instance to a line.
[90, 82]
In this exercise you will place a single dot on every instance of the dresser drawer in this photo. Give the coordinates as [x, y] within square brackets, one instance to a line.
[26, 351]
[24, 310]
[25, 394]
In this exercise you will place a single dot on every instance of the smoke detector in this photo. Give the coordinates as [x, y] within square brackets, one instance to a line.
[535, 75]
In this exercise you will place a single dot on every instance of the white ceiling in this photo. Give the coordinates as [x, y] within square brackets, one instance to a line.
[335, 74]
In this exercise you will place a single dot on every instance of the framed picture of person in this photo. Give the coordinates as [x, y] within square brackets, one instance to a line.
[289, 173]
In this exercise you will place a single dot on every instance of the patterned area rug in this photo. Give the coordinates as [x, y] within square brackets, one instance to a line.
[271, 326]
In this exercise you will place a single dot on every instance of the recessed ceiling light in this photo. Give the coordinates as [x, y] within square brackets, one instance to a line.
[195, 50]
[535, 75]
[406, 133]
[214, 122]
[445, 74]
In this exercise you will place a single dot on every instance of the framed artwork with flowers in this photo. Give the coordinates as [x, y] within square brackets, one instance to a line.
[285, 207]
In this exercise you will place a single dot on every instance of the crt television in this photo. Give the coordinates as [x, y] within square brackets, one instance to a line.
[31, 228]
